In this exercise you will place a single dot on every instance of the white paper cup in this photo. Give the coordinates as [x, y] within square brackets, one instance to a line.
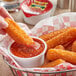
[35, 19]
[32, 61]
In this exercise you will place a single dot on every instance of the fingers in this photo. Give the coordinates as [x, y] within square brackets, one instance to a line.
[3, 24]
[4, 13]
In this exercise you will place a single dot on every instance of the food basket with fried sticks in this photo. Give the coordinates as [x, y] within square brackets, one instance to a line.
[43, 27]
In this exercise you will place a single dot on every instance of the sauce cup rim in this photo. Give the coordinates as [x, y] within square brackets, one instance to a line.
[42, 53]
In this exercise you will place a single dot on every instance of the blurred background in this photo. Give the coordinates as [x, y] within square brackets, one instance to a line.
[13, 6]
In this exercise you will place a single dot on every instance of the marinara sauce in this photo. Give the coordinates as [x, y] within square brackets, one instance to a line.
[26, 52]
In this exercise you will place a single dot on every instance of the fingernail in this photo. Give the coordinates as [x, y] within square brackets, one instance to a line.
[3, 23]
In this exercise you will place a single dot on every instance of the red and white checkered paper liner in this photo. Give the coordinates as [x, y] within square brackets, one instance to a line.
[45, 26]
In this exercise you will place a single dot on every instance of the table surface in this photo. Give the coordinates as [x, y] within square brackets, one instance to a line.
[4, 69]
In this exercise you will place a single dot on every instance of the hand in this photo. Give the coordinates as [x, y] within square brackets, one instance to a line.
[3, 14]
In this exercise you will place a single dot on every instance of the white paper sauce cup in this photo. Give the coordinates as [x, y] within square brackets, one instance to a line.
[32, 61]
[33, 20]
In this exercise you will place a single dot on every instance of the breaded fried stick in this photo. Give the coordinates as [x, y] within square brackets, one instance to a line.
[68, 56]
[62, 38]
[53, 34]
[53, 63]
[60, 47]
[74, 46]
[17, 34]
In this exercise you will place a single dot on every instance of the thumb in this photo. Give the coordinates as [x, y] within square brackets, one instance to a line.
[3, 23]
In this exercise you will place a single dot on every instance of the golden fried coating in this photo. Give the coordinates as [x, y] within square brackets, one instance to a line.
[60, 47]
[62, 38]
[74, 46]
[53, 63]
[53, 34]
[68, 56]
[17, 34]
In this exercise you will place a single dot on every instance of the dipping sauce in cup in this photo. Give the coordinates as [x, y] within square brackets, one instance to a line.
[28, 57]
